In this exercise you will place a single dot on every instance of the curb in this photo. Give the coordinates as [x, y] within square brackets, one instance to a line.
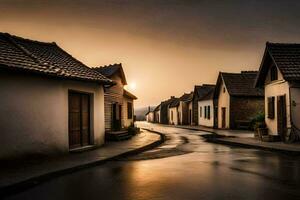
[252, 146]
[214, 139]
[31, 182]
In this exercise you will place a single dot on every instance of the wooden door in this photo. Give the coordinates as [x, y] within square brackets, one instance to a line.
[79, 120]
[223, 117]
[281, 117]
[116, 116]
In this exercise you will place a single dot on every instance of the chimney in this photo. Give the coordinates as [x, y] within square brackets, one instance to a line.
[149, 108]
[172, 97]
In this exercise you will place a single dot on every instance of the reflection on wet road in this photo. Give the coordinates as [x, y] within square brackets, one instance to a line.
[185, 167]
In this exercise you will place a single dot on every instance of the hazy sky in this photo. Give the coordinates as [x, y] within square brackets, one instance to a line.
[165, 46]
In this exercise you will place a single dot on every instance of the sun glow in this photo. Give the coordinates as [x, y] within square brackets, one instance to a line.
[131, 86]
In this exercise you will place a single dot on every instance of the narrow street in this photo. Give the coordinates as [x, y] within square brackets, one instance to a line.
[184, 167]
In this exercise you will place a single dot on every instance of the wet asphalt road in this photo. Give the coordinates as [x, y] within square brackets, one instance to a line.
[185, 167]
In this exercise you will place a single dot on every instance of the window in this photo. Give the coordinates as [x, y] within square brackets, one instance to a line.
[271, 107]
[224, 90]
[205, 112]
[274, 73]
[208, 112]
[200, 111]
[129, 110]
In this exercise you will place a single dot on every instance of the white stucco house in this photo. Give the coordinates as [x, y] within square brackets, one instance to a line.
[206, 106]
[118, 102]
[156, 114]
[174, 115]
[185, 109]
[50, 102]
[238, 101]
[279, 75]
[149, 115]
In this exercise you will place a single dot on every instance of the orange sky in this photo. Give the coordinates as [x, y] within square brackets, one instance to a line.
[167, 46]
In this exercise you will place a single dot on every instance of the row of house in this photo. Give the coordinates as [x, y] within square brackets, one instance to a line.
[237, 98]
[231, 103]
[53, 103]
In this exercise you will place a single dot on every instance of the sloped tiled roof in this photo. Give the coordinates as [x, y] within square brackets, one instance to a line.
[157, 108]
[241, 84]
[128, 94]
[43, 58]
[186, 97]
[174, 103]
[286, 57]
[109, 70]
[202, 91]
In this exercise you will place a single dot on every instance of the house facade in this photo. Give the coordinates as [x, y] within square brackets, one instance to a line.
[174, 113]
[156, 114]
[206, 105]
[238, 102]
[279, 75]
[185, 109]
[150, 115]
[119, 106]
[164, 110]
[50, 102]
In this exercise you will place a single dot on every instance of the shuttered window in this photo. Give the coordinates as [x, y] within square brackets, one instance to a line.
[208, 112]
[205, 112]
[271, 107]
[200, 111]
[129, 110]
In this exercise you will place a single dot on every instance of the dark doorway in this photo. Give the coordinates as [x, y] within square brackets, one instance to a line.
[190, 117]
[216, 117]
[79, 120]
[223, 117]
[281, 116]
[116, 116]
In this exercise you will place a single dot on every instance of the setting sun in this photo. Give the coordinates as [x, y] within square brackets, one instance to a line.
[131, 86]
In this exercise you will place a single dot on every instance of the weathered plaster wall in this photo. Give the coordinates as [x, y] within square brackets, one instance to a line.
[173, 120]
[202, 120]
[112, 95]
[223, 101]
[273, 89]
[190, 115]
[150, 117]
[127, 122]
[34, 114]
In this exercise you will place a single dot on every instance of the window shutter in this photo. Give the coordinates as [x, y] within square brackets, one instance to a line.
[271, 107]
[129, 110]
[208, 112]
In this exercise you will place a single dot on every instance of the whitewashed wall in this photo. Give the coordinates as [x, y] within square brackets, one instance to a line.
[223, 101]
[273, 89]
[173, 121]
[34, 114]
[202, 120]
[127, 122]
[150, 117]
[190, 108]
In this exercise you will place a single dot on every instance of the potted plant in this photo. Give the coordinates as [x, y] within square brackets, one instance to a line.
[259, 126]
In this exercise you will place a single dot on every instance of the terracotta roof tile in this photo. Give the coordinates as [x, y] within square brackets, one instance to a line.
[44, 58]
[242, 84]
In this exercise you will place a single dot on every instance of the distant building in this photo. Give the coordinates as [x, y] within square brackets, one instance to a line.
[119, 106]
[173, 112]
[50, 102]
[279, 75]
[184, 109]
[156, 114]
[206, 105]
[238, 100]
[164, 110]
[150, 115]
